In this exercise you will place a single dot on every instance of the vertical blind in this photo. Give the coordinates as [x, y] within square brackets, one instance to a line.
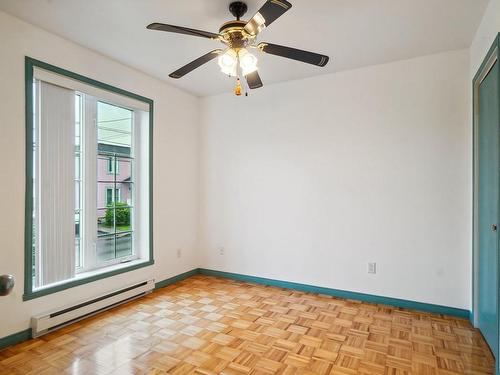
[56, 200]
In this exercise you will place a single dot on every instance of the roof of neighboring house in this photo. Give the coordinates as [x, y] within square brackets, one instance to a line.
[113, 149]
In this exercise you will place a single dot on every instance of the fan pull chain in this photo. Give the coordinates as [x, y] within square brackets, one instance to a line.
[237, 88]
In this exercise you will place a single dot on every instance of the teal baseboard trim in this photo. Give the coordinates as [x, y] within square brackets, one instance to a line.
[174, 279]
[396, 302]
[15, 338]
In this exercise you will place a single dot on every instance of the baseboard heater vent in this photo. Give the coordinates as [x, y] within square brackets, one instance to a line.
[48, 322]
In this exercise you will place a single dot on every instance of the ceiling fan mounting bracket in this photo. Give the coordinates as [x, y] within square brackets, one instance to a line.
[238, 9]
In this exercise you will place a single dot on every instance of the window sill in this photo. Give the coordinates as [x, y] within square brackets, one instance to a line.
[88, 277]
[108, 268]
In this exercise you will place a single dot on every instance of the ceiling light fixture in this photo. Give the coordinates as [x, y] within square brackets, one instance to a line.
[230, 60]
[248, 62]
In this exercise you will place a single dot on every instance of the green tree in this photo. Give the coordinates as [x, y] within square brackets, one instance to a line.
[122, 214]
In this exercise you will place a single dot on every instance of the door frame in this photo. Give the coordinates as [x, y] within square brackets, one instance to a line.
[489, 61]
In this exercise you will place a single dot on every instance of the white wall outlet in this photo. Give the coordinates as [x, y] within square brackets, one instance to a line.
[179, 253]
[221, 251]
[372, 267]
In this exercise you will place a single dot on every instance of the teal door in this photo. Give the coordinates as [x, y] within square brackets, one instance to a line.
[488, 202]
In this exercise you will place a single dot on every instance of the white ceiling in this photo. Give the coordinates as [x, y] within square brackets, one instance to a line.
[354, 33]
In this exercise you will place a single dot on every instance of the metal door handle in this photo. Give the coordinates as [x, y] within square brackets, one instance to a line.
[6, 284]
[493, 227]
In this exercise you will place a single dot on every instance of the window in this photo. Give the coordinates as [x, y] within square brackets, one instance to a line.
[109, 196]
[88, 184]
[111, 193]
[112, 166]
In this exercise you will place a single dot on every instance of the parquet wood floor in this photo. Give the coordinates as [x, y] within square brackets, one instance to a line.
[205, 325]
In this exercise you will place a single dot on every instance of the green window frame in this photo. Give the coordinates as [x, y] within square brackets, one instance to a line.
[30, 64]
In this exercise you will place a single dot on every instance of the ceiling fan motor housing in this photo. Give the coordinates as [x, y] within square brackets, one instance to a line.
[234, 34]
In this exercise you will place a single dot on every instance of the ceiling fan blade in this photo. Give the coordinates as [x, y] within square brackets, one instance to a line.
[253, 80]
[294, 54]
[195, 64]
[267, 14]
[182, 30]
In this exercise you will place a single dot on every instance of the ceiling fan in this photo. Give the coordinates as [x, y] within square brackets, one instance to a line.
[238, 37]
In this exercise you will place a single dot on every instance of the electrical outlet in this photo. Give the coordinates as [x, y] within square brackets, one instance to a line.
[221, 251]
[179, 253]
[372, 267]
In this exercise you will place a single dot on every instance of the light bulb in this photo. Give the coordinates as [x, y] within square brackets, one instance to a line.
[228, 63]
[248, 62]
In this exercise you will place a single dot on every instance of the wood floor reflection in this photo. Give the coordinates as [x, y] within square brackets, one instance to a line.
[206, 325]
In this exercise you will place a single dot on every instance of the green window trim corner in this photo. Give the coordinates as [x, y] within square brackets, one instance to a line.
[29, 65]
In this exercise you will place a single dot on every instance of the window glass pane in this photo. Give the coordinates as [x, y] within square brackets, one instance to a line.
[105, 171]
[78, 122]
[77, 195]
[78, 262]
[111, 165]
[78, 183]
[125, 192]
[114, 181]
[114, 129]
[124, 181]
[78, 259]
[77, 166]
[109, 196]
[106, 220]
[105, 247]
[123, 245]
[123, 217]
[123, 169]
[34, 186]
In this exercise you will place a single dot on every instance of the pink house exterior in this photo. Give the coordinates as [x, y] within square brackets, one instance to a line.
[108, 182]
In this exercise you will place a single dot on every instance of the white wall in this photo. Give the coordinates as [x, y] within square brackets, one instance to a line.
[175, 165]
[310, 180]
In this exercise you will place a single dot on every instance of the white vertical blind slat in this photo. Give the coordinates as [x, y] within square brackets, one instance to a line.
[57, 182]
